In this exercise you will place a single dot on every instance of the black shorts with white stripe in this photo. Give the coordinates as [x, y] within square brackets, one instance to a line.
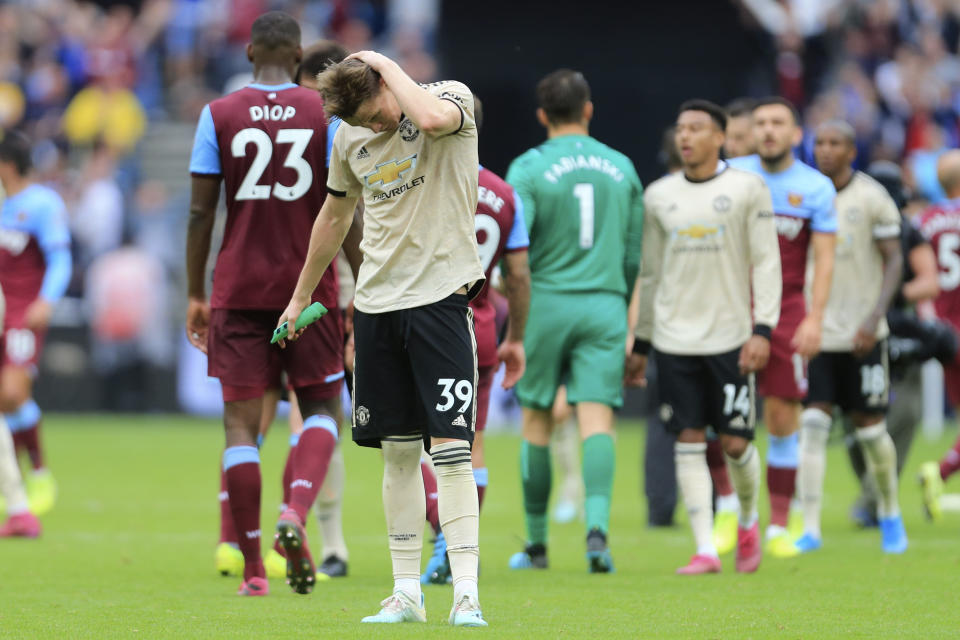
[415, 372]
[853, 384]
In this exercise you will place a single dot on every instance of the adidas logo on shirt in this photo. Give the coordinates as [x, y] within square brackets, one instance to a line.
[362, 154]
[460, 422]
[738, 423]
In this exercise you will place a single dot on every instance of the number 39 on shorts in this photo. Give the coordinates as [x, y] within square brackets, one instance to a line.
[449, 387]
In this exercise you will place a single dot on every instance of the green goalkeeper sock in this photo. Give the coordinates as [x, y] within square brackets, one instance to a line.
[535, 473]
[598, 464]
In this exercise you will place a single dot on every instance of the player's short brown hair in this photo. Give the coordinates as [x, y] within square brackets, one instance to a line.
[346, 85]
[783, 102]
[318, 56]
[562, 95]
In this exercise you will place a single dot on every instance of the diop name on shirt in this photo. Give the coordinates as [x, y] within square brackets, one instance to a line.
[416, 182]
[566, 164]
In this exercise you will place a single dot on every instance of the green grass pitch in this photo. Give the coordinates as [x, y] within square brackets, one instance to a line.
[128, 553]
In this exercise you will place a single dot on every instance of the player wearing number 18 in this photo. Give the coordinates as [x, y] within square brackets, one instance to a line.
[852, 370]
[583, 205]
[267, 143]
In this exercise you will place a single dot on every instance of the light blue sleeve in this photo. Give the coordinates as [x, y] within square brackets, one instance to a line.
[53, 236]
[205, 158]
[518, 238]
[824, 217]
[332, 127]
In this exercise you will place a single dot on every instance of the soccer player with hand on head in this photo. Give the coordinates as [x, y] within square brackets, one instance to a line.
[267, 143]
[803, 202]
[410, 151]
[709, 244]
[35, 269]
[583, 204]
[502, 239]
[852, 369]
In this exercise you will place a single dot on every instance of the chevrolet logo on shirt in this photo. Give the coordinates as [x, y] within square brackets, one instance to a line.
[390, 171]
[697, 231]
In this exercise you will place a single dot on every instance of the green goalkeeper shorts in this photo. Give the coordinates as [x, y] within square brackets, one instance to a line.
[578, 340]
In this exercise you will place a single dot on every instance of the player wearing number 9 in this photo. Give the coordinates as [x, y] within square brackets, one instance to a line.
[267, 143]
[583, 205]
[940, 224]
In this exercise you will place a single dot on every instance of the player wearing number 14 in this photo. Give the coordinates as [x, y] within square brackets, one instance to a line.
[583, 205]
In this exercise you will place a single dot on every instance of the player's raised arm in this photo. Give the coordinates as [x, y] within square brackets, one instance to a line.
[329, 230]
[433, 115]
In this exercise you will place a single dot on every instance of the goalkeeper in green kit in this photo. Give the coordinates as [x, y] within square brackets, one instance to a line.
[583, 205]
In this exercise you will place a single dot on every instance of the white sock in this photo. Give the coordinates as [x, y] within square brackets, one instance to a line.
[459, 511]
[565, 445]
[329, 508]
[405, 510]
[775, 530]
[815, 425]
[693, 478]
[410, 586]
[745, 476]
[11, 483]
[881, 457]
[728, 504]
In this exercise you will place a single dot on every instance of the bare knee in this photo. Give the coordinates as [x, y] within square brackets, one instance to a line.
[692, 436]
[734, 446]
[782, 417]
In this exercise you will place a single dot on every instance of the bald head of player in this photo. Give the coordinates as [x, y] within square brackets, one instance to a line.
[699, 136]
[563, 103]
[776, 130]
[835, 149]
[274, 48]
[316, 58]
[948, 173]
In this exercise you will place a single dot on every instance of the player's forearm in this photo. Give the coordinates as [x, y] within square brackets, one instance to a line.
[199, 234]
[892, 276]
[428, 112]
[823, 253]
[329, 230]
[925, 284]
[351, 243]
[517, 283]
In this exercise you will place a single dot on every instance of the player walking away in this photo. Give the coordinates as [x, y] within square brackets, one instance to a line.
[20, 521]
[709, 235]
[852, 369]
[940, 224]
[912, 341]
[411, 151]
[35, 269]
[267, 142]
[803, 202]
[583, 204]
[738, 142]
[501, 239]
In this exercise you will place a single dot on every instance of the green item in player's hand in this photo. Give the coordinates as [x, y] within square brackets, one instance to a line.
[308, 316]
